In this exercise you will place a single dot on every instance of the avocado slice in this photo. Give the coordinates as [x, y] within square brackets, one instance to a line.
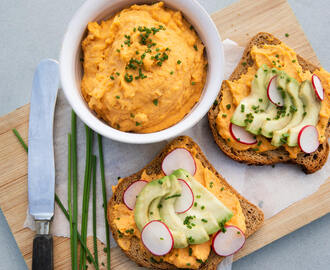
[283, 115]
[257, 97]
[297, 110]
[312, 108]
[193, 234]
[259, 115]
[153, 213]
[258, 119]
[207, 203]
[151, 192]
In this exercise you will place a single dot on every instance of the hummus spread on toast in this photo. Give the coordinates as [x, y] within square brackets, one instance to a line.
[284, 59]
[190, 257]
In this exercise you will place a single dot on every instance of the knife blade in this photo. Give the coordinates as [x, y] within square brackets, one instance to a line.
[41, 165]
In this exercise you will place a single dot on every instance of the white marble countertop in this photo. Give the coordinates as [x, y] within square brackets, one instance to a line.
[32, 30]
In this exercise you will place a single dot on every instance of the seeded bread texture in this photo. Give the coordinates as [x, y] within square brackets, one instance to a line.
[310, 163]
[253, 215]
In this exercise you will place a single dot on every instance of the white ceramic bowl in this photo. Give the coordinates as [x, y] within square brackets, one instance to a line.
[71, 69]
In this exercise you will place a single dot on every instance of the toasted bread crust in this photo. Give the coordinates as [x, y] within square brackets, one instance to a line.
[253, 215]
[310, 163]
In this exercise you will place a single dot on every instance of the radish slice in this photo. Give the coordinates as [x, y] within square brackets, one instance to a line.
[179, 158]
[186, 200]
[131, 193]
[241, 135]
[229, 242]
[318, 87]
[273, 94]
[308, 139]
[157, 238]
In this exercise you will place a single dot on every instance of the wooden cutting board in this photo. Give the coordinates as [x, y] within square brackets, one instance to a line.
[238, 22]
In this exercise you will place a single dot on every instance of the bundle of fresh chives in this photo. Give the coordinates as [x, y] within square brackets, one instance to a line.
[60, 204]
[72, 215]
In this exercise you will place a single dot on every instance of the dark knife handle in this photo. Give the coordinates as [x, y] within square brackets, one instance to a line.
[42, 252]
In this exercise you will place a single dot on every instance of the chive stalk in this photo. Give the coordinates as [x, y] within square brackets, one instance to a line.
[96, 257]
[69, 200]
[61, 206]
[20, 139]
[104, 194]
[74, 189]
[86, 194]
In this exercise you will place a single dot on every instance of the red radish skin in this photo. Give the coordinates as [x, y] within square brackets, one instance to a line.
[249, 139]
[238, 232]
[156, 235]
[318, 88]
[273, 94]
[185, 198]
[129, 197]
[308, 139]
[168, 171]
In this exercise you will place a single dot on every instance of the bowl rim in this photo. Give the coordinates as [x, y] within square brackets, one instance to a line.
[72, 42]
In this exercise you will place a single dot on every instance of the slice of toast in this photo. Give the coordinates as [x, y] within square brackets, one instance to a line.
[309, 162]
[253, 215]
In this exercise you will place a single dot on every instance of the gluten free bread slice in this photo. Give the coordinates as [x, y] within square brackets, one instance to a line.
[253, 215]
[309, 162]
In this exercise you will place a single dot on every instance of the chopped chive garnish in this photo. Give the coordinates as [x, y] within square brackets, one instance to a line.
[128, 78]
[155, 102]
[173, 196]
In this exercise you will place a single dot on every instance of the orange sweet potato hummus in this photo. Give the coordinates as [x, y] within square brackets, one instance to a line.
[193, 255]
[283, 58]
[144, 69]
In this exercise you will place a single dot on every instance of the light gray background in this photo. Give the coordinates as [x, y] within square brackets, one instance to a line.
[33, 29]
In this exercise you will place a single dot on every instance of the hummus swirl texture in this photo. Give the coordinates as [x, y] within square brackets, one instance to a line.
[144, 69]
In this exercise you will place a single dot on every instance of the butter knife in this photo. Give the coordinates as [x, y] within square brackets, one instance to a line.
[41, 165]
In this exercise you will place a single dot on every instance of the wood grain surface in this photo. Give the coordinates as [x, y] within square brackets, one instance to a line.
[238, 22]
